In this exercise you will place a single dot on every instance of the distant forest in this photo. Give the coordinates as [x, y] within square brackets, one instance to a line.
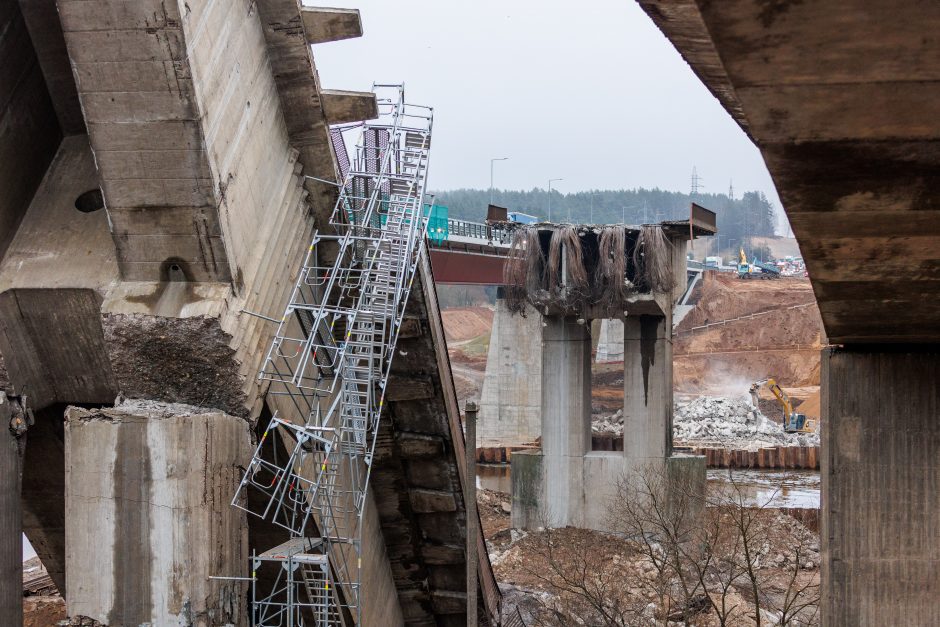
[750, 215]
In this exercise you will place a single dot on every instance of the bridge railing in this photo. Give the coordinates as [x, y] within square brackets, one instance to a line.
[478, 231]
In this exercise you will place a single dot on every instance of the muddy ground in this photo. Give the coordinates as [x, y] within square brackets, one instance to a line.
[534, 567]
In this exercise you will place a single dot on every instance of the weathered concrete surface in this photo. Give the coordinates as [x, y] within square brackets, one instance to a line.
[45, 32]
[418, 472]
[298, 86]
[566, 483]
[323, 25]
[511, 399]
[344, 107]
[610, 342]
[842, 101]
[148, 491]
[11, 541]
[43, 491]
[29, 132]
[647, 389]
[566, 417]
[136, 87]
[880, 471]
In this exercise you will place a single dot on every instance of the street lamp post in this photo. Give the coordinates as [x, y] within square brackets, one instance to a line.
[550, 181]
[492, 161]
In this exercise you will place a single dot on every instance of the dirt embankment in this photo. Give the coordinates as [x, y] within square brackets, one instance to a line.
[753, 330]
[467, 330]
[466, 323]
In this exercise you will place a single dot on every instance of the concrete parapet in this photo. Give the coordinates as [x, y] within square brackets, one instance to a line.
[511, 400]
[148, 493]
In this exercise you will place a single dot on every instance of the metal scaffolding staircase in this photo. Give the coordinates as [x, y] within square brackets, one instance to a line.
[328, 366]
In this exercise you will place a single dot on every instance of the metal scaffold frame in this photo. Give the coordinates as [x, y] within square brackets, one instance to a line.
[328, 366]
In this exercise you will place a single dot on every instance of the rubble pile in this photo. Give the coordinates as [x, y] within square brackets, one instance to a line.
[612, 424]
[731, 423]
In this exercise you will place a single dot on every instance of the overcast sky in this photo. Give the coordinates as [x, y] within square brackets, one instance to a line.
[590, 92]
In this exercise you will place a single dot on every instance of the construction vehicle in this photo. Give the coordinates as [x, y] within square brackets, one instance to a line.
[755, 269]
[793, 422]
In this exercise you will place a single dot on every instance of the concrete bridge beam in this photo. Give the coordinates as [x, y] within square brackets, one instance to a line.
[322, 25]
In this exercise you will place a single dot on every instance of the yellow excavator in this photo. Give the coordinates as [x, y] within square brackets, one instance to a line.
[792, 421]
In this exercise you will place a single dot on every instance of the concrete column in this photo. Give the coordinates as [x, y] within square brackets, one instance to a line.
[510, 403]
[11, 520]
[148, 515]
[647, 389]
[610, 342]
[880, 532]
[566, 417]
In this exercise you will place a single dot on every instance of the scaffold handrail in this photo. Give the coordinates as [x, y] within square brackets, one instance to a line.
[328, 365]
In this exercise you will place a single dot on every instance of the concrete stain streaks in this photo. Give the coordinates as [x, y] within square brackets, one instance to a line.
[648, 328]
[132, 555]
[770, 10]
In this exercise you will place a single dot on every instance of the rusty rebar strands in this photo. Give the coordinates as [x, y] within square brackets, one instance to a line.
[652, 258]
[610, 277]
[523, 269]
[568, 285]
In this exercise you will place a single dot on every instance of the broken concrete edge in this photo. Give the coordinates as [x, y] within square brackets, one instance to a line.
[322, 25]
[175, 360]
[153, 409]
[344, 107]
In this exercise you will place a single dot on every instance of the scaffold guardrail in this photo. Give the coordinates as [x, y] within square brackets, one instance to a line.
[327, 369]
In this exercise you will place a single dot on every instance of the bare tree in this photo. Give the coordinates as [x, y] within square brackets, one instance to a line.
[696, 559]
[587, 586]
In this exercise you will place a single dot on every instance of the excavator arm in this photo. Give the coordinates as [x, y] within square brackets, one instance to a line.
[791, 420]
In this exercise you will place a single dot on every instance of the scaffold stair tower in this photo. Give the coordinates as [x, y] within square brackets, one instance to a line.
[328, 366]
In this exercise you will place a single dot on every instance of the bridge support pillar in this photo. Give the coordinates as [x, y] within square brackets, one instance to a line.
[11, 520]
[510, 403]
[148, 492]
[880, 476]
[610, 341]
[647, 389]
[566, 417]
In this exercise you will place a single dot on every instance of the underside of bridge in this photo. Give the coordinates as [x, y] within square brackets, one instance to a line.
[164, 165]
[842, 101]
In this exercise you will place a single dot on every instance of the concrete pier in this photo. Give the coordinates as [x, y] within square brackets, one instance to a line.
[510, 403]
[566, 416]
[148, 492]
[610, 341]
[880, 475]
[647, 389]
[566, 483]
[11, 521]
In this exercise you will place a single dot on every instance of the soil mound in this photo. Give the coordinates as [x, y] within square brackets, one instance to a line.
[466, 323]
[742, 331]
[810, 406]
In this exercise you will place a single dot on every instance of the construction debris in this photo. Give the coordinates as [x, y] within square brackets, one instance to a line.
[731, 423]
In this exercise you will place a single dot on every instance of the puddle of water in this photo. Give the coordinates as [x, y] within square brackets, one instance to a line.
[494, 477]
[781, 488]
[774, 488]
